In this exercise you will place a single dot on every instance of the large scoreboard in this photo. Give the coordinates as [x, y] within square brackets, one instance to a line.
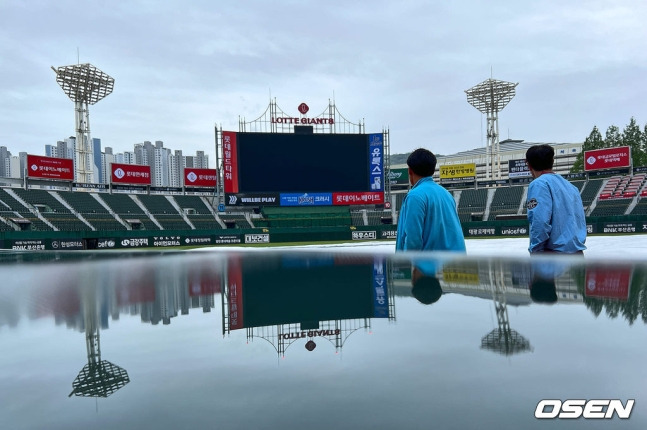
[292, 169]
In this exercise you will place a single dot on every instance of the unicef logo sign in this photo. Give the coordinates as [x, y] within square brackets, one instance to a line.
[119, 173]
[192, 177]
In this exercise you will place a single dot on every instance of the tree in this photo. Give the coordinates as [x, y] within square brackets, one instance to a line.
[632, 137]
[594, 141]
[613, 137]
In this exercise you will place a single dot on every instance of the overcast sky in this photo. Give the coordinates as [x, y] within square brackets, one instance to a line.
[181, 67]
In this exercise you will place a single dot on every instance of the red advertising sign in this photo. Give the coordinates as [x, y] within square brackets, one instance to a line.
[199, 177]
[235, 285]
[357, 198]
[610, 283]
[230, 161]
[50, 168]
[607, 158]
[131, 174]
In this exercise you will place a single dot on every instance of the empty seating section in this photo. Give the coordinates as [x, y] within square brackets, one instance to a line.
[610, 207]
[590, 191]
[399, 198]
[51, 209]
[197, 212]
[471, 202]
[314, 216]
[634, 186]
[127, 209]
[377, 217]
[506, 201]
[357, 218]
[91, 210]
[192, 202]
[579, 184]
[20, 211]
[622, 187]
[640, 208]
[237, 220]
[4, 226]
[164, 212]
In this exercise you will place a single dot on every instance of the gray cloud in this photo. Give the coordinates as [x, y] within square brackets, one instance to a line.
[181, 67]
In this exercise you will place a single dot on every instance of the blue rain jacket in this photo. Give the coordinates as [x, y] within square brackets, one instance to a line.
[428, 220]
[556, 215]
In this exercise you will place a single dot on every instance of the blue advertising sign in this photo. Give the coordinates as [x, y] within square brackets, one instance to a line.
[306, 199]
[221, 207]
[376, 162]
[380, 296]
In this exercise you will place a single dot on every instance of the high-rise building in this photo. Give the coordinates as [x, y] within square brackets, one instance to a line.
[97, 171]
[13, 167]
[4, 156]
[167, 168]
[176, 169]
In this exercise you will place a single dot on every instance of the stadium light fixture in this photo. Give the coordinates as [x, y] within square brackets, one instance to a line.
[85, 85]
[490, 97]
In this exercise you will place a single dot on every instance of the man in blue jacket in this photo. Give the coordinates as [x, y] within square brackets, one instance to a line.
[555, 209]
[428, 218]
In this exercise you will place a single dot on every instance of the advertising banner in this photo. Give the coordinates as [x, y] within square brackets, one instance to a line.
[607, 158]
[235, 287]
[457, 172]
[306, 199]
[364, 235]
[619, 227]
[249, 199]
[50, 168]
[460, 276]
[399, 176]
[131, 174]
[380, 296]
[257, 238]
[610, 283]
[359, 198]
[518, 169]
[481, 231]
[200, 177]
[376, 164]
[230, 161]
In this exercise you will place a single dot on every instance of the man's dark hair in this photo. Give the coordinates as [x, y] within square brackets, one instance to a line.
[422, 162]
[540, 157]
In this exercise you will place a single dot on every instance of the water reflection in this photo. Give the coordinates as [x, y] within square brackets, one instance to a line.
[98, 378]
[166, 332]
[288, 299]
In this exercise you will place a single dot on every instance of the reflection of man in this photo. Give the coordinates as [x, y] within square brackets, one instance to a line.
[542, 284]
[425, 286]
[555, 210]
[543, 289]
[428, 218]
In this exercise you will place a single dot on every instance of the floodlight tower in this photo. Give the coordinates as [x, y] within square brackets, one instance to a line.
[502, 340]
[490, 97]
[85, 85]
[98, 378]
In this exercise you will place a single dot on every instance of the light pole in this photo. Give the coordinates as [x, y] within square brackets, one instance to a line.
[85, 85]
[489, 97]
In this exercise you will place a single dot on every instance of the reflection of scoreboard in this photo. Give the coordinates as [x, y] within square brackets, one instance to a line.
[289, 289]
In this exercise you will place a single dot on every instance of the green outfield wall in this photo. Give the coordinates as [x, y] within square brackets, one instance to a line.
[137, 239]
